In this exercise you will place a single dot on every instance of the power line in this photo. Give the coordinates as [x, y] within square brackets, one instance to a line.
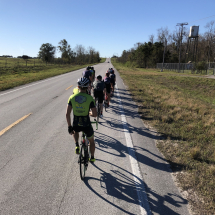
[201, 19]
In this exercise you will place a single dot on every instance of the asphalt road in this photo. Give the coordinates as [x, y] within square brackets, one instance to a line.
[39, 173]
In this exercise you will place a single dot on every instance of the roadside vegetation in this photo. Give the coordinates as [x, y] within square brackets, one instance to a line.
[182, 109]
[166, 47]
[18, 73]
[25, 69]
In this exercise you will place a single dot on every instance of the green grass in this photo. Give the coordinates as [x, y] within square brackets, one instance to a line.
[182, 110]
[102, 60]
[15, 72]
[16, 76]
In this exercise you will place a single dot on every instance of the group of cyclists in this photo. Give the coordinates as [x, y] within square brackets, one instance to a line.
[83, 104]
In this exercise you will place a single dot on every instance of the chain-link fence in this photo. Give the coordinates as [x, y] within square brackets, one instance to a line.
[199, 68]
[31, 62]
[17, 62]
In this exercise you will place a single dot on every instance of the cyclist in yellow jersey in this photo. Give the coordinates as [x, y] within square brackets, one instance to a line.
[81, 103]
[75, 90]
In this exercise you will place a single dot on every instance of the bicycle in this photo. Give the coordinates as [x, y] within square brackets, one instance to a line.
[84, 153]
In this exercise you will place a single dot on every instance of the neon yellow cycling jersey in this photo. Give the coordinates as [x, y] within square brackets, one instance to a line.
[75, 90]
[81, 104]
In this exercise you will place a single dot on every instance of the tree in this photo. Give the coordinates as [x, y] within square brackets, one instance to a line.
[209, 35]
[151, 38]
[80, 54]
[47, 52]
[91, 54]
[164, 37]
[66, 52]
[25, 57]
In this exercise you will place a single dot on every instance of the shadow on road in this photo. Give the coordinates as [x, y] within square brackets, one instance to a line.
[120, 184]
[117, 125]
[114, 147]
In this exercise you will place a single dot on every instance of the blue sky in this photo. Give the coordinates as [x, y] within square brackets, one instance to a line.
[108, 26]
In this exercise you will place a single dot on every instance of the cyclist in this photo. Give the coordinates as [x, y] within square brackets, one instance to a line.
[93, 72]
[112, 80]
[88, 74]
[81, 103]
[99, 90]
[109, 70]
[107, 85]
[75, 90]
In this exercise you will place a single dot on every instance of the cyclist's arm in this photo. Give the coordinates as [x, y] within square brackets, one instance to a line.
[68, 112]
[93, 112]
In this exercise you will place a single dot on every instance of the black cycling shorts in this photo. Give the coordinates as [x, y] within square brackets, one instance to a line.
[113, 83]
[87, 130]
[108, 88]
[99, 95]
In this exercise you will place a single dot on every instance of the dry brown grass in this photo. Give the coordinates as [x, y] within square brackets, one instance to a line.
[183, 110]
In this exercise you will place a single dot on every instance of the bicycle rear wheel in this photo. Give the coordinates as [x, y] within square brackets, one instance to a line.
[82, 161]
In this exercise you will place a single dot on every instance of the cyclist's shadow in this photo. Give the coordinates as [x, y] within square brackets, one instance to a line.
[120, 184]
[116, 183]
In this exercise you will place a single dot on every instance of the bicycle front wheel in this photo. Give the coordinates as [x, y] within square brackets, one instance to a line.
[82, 163]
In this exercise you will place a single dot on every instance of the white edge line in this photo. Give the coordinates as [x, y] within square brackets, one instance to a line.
[142, 196]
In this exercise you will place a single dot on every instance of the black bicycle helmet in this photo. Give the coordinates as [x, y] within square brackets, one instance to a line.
[83, 82]
[88, 68]
[99, 77]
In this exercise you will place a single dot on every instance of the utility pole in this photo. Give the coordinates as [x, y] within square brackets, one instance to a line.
[165, 44]
[180, 24]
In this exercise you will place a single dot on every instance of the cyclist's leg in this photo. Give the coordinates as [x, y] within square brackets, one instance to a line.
[100, 100]
[92, 145]
[76, 138]
[101, 107]
[108, 94]
[90, 136]
[114, 86]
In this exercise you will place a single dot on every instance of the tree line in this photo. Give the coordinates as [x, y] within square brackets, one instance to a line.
[166, 48]
[79, 55]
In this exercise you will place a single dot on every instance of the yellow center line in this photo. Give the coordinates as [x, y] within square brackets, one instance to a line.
[68, 87]
[15, 123]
